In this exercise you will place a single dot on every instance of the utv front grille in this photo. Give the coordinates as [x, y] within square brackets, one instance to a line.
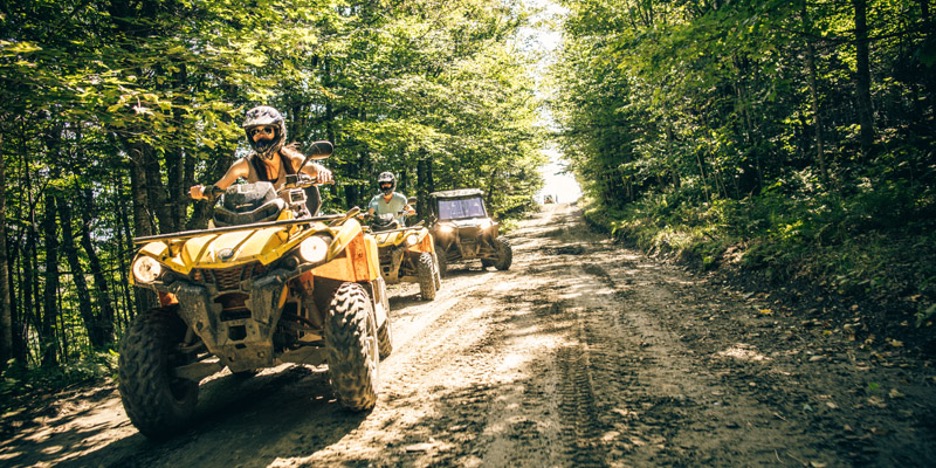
[228, 279]
[469, 243]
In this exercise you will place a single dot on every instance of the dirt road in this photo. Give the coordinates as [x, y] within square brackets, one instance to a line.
[583, 354]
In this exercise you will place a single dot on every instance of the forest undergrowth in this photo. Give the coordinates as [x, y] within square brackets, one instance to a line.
[867, 258]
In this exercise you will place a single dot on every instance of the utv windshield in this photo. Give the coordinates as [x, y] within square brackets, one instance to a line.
[461, 208]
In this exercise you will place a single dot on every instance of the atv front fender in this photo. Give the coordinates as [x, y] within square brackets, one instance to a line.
[352, 256]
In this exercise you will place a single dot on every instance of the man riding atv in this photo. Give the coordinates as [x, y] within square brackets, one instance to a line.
[407, 254]
[388, 201]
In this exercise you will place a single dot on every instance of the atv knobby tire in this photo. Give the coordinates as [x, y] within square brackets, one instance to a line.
[351, 347]
[425, 274]
[385, 339]
[443, 261]
[157, 403]
[504, 254]
[437, 272]
[384, 334]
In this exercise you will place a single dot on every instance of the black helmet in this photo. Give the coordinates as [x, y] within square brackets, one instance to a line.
[384, 178]
[261, 116]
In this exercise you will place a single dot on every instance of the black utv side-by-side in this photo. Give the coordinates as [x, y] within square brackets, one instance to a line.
[463, 231]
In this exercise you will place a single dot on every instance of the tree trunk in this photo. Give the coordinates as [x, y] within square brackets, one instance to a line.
[811, 77]
[175, 166]
[18, 277]
[47, 336]
[104, 325]
[705, 184]
[29, 286]
[175, 203]
[85, 305]
[424, 184]
[124, 239]
[143, 222]
[6, 309]
[200, 212]
[157, 200]
[863, 78]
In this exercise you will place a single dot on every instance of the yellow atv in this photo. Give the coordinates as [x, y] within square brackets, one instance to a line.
[265, 284]
[407, 254]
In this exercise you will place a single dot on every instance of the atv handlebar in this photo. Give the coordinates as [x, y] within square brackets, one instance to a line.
[210, 192]
[303, 180]
[300, 180]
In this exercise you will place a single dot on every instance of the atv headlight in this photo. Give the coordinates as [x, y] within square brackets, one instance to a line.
[446, 229]
[411, 240]
[313, 249]
[146, 269]
[485, 224]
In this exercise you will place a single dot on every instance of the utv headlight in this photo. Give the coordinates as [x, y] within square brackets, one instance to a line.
[313, 249]
[411, 240]
[485, 224]
[446, 229]
[146, 269]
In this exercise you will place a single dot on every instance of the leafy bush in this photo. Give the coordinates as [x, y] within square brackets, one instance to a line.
[878, 243]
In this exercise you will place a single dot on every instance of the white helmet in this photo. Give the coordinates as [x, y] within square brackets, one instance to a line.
[386, 177]
[262, 116]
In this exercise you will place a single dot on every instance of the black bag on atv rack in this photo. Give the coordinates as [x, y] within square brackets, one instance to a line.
[248, 203]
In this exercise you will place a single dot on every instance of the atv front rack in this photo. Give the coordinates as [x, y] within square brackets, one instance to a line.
[391, 231]
[221, 230]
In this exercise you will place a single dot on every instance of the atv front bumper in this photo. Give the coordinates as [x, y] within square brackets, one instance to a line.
[241, 342]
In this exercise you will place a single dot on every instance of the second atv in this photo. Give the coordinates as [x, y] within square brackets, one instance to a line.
[407, 254]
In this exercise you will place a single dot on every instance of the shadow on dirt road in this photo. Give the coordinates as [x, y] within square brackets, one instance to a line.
[582, 354]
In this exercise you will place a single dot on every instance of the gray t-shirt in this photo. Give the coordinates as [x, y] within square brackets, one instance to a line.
[394, 206]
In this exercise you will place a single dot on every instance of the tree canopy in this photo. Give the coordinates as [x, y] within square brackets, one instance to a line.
[111, 110]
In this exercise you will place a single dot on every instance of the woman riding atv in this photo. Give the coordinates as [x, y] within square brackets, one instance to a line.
[270, 159]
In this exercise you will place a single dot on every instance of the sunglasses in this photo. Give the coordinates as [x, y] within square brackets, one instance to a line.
[267, 130]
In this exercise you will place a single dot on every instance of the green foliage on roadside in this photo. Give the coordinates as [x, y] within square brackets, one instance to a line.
[776, 136]
[878, 245]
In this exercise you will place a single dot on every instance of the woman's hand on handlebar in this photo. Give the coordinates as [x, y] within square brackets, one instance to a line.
[323, 176]
[201, 192]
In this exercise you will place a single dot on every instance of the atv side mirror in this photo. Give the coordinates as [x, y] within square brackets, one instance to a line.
[321, 149]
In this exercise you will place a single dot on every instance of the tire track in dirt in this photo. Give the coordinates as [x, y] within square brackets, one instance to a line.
[654, 389]
[633, 392]
[439, 346]
[465, 388]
